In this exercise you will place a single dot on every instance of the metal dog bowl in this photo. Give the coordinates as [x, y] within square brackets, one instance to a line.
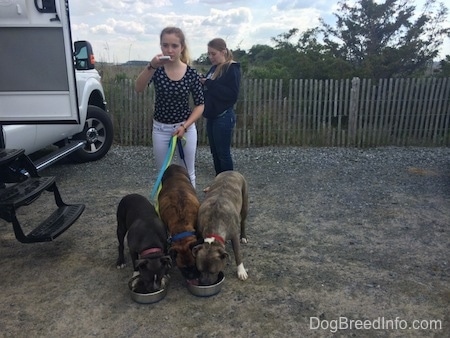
[147, 298]
[207, 290]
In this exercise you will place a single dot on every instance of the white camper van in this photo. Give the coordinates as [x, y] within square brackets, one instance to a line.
[51, 96]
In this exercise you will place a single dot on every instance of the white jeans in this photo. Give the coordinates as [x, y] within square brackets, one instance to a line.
[161, 136]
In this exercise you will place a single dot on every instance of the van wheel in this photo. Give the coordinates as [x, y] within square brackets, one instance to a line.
[98, 133]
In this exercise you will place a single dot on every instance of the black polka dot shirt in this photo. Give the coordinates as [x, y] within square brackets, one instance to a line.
[172, 97]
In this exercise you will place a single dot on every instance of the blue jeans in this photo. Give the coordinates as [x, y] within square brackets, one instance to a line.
[220, 131]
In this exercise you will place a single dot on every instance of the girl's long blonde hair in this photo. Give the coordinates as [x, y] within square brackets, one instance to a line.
[184, 57]
[220, 45]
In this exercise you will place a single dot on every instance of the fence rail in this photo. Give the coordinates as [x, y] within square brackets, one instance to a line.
[349, 113]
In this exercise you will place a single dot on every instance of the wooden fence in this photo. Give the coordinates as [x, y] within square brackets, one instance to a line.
[349, 112]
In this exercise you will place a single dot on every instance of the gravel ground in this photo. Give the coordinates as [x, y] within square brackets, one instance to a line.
[336, 235]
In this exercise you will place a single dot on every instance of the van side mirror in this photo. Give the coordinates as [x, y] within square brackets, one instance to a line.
[84, 56]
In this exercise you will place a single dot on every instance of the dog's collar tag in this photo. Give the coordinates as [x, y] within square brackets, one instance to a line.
[212, 238]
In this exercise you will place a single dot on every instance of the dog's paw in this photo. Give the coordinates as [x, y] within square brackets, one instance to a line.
[242, 273]
[165, 281]
[121, 266]
[134, 284]
[244, 240]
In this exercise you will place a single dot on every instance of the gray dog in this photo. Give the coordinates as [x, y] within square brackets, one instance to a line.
[147, 242]
[221, 217]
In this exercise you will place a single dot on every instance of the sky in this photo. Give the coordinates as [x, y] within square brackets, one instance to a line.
[129, 30]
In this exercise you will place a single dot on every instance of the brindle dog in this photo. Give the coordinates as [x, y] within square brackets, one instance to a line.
[221, 217]
[178, 209]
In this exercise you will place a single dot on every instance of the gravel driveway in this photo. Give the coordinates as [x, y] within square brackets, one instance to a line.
[338, 238]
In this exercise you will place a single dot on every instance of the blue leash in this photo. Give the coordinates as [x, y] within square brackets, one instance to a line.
[181, 151]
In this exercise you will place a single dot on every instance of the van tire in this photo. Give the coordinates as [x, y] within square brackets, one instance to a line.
[98, 132]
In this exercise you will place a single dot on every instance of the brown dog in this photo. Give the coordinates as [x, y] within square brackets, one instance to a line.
[147, 241]
[178, 209]
[221, 217]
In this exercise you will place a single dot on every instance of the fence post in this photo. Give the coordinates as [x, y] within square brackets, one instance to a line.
[353, 111]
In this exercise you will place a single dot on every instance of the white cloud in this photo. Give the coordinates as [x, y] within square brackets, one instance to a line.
[102, 29]
[131, 28]
[232, 17]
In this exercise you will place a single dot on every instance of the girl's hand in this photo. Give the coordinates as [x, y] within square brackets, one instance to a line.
[180, 131]
[158, 62]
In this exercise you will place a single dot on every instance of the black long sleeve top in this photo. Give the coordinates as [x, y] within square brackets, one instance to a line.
[221, 93]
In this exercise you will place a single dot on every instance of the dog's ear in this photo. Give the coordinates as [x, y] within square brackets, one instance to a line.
[196, 249]
[223, 254]
[193, 244]
[141, 262]
[173, 253]
[166, 261]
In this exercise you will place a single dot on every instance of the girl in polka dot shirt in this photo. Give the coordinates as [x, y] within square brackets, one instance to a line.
[174, 82]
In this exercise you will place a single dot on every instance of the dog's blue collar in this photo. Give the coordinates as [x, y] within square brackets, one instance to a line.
[181, 235]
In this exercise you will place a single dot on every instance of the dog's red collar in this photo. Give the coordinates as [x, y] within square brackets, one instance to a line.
[217, 238]
[149, 251]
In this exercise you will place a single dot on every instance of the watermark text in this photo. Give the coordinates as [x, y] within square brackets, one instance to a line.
[380, 323]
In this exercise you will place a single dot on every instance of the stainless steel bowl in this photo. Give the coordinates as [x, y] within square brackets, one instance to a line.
[147, 298]
[207, 290]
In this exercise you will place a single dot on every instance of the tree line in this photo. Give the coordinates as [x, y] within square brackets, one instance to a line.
[368, 40]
